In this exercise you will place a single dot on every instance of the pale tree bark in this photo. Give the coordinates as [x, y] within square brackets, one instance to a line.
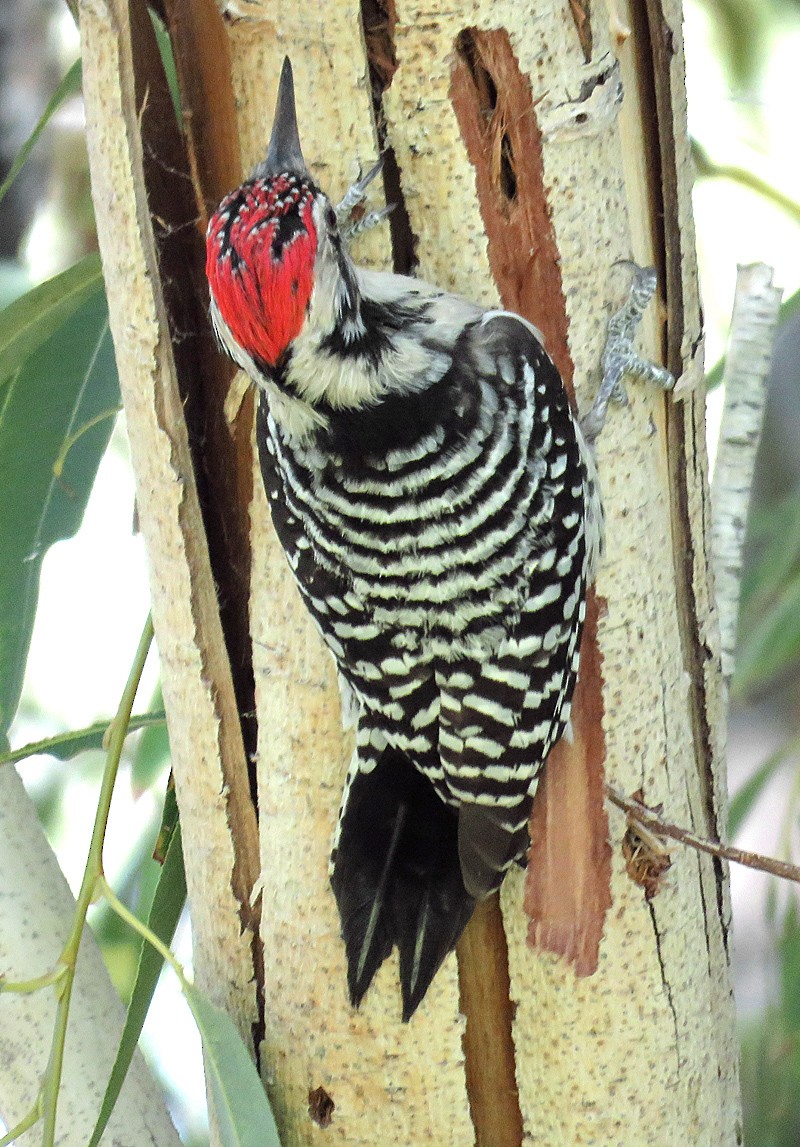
[36, 914]
[756, 311]
[141, 168]
[532, 147]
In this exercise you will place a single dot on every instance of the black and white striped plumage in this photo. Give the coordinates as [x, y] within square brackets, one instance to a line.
[440, 513]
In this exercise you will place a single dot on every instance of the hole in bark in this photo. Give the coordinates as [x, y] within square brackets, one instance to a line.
[508, 176]
[468, 48]
[492, 109]
[505, 150]
[321, 1107]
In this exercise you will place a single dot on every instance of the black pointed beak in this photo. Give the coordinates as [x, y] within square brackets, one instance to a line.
[284, 146]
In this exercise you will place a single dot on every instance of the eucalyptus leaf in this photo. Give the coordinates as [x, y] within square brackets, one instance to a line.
[243, 1112]
[31, 320]
[169, 822]
[773, 644]
[775, 534]
[65, 746]
[70, 84]
[789, 961]
[165, 912]
[53, 392]
[744, 799]
[167, 60]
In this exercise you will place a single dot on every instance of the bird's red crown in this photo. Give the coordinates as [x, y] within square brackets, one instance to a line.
[260, 249]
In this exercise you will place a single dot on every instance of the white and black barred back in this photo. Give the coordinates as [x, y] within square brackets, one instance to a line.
[440, 512]
[439, 538]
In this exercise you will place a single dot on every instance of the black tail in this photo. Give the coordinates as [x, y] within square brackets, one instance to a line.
[397, 878]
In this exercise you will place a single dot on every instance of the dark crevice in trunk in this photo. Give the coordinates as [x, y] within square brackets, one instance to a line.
[378, 19]
[221, 456]
[656, 43]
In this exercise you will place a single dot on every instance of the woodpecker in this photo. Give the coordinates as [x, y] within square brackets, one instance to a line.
[440, 511]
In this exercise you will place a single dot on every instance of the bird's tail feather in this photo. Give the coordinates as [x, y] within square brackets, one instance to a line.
[397, 878]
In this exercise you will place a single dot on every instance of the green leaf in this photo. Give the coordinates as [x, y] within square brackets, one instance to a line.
[744, 798]
[31, 320]
[169, 822]
[70, 84]
[240, 1102]
[774, 535]
[167, 60]
[789, 961]
[54, 391]
[65, 746]
[165, 911]
[773, 644]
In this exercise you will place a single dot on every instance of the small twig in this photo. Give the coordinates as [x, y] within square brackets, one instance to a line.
[641, 815]
[104, 889]
[755, 317]
[93, 871]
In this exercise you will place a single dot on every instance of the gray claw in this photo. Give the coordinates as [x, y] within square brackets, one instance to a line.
[620, 357]
[356, 193]
[372, 219]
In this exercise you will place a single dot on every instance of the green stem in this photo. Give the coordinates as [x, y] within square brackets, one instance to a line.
[104, 889]
[24, 987]
[92, 875]
[27, 1121]
[58, 465]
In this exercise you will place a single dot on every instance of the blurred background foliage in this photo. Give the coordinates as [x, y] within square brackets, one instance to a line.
[93, 603]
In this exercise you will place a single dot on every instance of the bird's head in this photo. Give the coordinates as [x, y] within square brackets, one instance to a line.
[262, 245]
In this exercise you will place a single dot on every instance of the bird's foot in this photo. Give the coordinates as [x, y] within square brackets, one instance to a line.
[351, 223]
[620, 356]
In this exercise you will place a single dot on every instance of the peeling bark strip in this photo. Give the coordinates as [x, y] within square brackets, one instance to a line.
[147, 224]
[203, 64]
[568, 883]
[222, 466]
[494, 106]
[222, 451]
[209, 161]
[569, 870]
[756, 311]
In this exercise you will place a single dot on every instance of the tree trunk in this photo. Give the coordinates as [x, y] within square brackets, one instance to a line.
[36, 913]
[532, 147]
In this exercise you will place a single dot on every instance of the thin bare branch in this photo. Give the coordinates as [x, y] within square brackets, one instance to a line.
[641, 815]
